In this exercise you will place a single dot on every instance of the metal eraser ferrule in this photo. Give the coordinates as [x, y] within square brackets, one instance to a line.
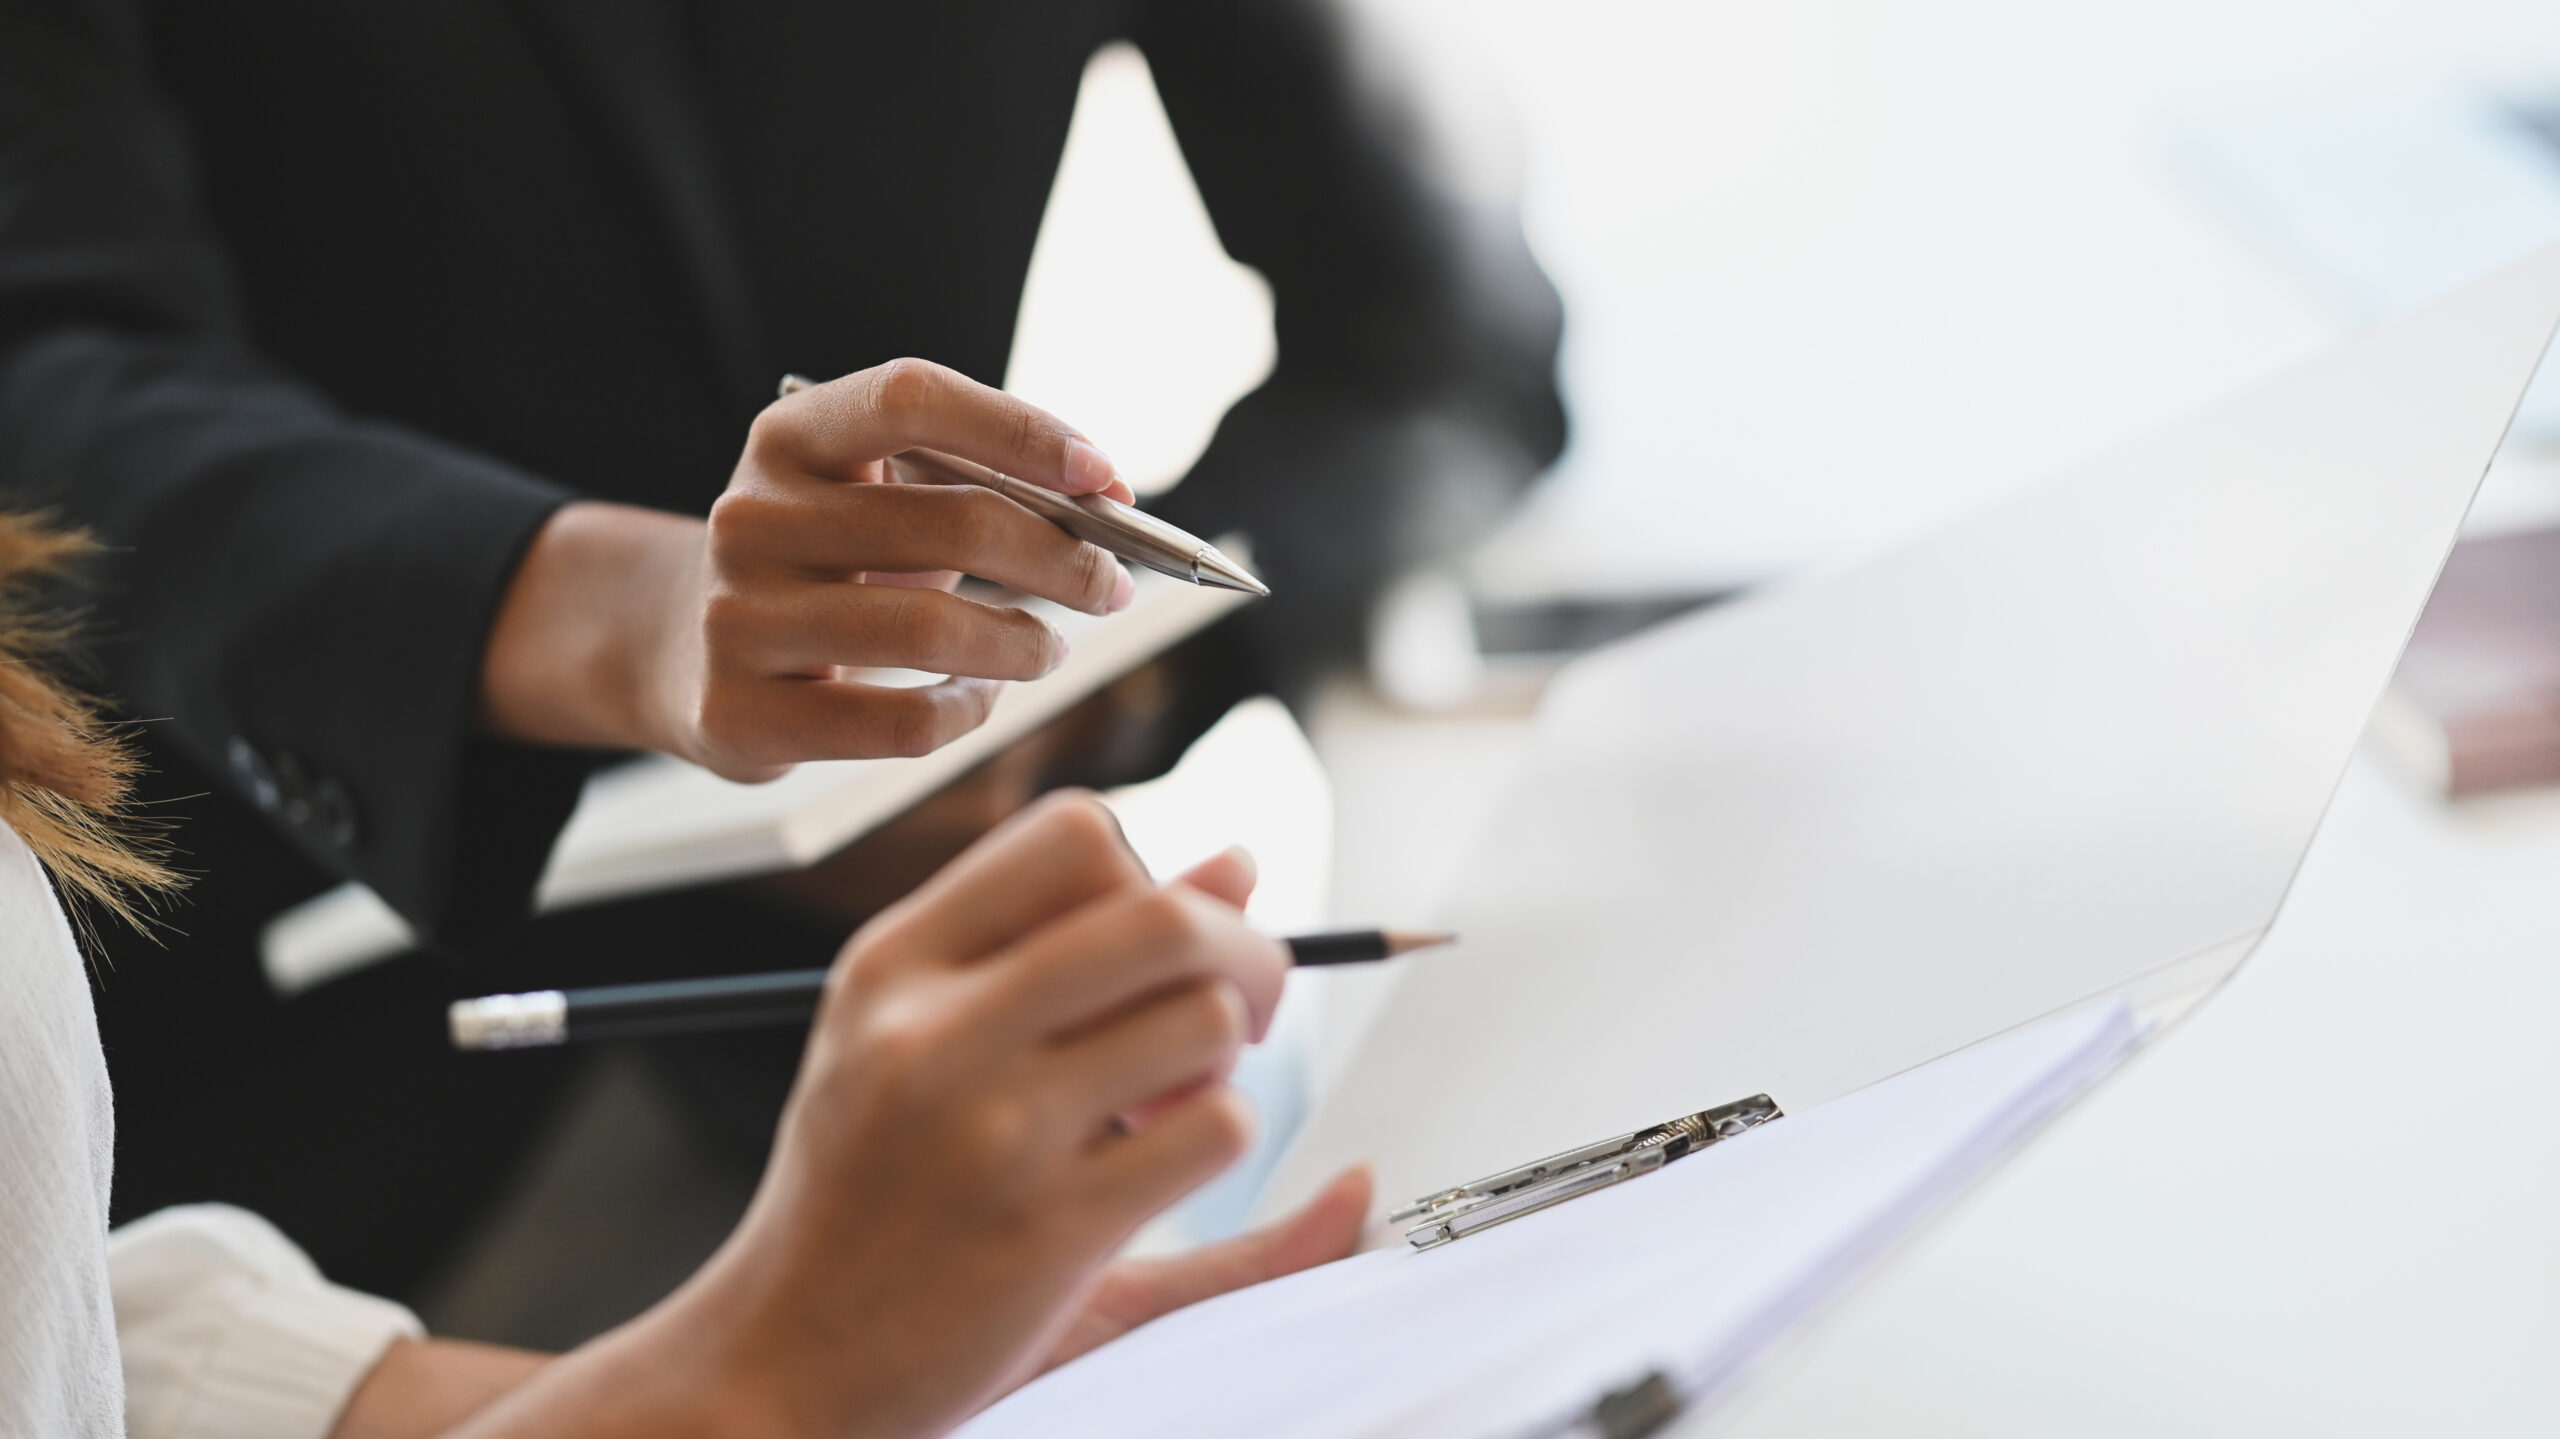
[510, 1021]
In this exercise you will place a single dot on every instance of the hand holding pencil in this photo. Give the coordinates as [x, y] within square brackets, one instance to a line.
[1009, 1072]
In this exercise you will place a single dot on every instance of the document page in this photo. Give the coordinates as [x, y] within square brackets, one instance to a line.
[1690, 1270]
[1826, 833]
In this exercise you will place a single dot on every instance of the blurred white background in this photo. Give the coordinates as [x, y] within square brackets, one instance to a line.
[1834, 269]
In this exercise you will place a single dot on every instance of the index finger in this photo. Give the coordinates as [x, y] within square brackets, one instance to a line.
[909, 404]
[1115, 951]
[1058, 855]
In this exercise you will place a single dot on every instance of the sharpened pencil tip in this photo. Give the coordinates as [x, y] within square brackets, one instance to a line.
[1406, 941]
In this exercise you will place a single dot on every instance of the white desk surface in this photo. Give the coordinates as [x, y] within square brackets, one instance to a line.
[2326, 1206]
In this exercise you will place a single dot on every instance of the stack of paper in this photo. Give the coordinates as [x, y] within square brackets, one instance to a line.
[1686, 1273]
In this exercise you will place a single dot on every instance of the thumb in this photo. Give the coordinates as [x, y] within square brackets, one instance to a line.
[1322, 1230]
[1135, 1291]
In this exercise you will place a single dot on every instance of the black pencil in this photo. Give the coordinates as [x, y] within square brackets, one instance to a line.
[744, 1001]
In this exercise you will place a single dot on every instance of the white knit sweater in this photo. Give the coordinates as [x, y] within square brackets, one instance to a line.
[200, 1321]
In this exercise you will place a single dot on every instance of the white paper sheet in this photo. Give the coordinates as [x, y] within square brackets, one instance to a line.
[1692, 1270]
[1822, 836]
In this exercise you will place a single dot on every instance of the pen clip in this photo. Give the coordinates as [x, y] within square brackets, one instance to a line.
[1496, 1198]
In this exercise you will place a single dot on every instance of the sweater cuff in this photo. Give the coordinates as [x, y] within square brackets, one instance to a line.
[230, 1332]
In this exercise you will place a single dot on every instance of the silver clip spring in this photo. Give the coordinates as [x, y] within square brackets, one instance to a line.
[1455, 1213]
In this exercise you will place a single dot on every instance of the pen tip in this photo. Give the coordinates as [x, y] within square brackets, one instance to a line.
[1406, 941]
[1214, 569]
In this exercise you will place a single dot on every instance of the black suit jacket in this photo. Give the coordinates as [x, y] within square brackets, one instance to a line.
[314, 309]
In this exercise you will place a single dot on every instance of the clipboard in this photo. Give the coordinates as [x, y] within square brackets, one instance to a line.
[2046, 774]
[2074, 745]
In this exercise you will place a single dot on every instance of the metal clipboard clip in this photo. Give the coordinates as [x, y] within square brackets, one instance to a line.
[1457, 1213]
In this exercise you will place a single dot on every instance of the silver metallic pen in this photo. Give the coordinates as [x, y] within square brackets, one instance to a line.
[1132, 534]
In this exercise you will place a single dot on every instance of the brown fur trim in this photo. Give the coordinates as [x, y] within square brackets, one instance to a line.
[66, 778]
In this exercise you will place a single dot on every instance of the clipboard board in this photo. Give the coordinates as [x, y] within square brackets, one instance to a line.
[2022, 794]
[2076, 744]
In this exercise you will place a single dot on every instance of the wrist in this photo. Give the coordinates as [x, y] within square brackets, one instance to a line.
[591, 630]
[751, 1363]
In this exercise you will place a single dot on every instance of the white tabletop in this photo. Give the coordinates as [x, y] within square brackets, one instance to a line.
[2325, 1206]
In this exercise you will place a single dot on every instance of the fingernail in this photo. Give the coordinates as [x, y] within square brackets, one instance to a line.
[1123, 590]
[1088, 469]
[1244, 857]
[1057, 651]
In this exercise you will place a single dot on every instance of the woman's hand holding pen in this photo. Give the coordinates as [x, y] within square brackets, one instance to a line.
[729, 643]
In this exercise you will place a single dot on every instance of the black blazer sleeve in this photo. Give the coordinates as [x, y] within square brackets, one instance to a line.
[1415, 394]
[297, 599]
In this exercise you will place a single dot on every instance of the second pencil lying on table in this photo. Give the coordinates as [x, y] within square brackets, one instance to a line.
[744, 1001]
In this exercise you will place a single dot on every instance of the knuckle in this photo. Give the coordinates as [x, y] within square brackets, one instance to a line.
[1077, 824]
[1168, 923]
[956, 523]
[1031, 431]
[853, 981]
[923, 632]
[1227, 1125]
[717, 713]
[1026, 641]
[898, 1038]
[996, 1128]
[729, 615]
[904, 735]
[1097, 574]
[879, 955]
[1079, 817]
[1217, 1017]
[771, 431]
[905, 386]
[732, 734]
[892, 1043]
[739, 515]
[975, 518]
[913, 726]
